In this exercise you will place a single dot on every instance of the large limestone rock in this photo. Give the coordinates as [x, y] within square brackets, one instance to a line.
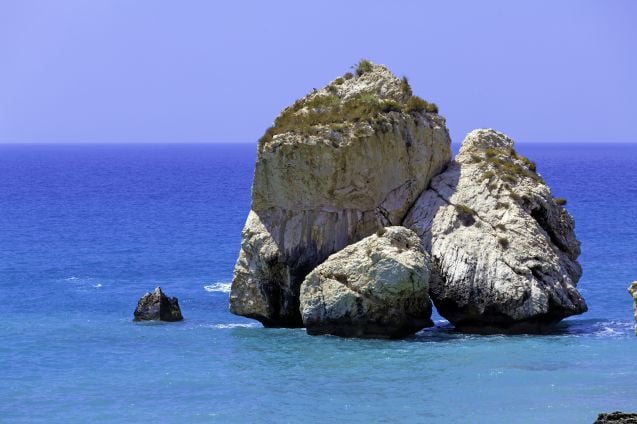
[156, 306]
[336, 166]
[504, 252]
[377, 287]
[633, 292]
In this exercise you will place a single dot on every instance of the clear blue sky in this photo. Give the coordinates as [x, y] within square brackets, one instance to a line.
[207, 71]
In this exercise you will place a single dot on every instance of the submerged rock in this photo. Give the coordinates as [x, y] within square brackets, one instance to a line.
[504, 252]
[377, 287]
[633, 291]
[616, 418]
[336, 166]
[156, 306]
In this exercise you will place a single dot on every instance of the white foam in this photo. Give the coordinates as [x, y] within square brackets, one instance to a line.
[234, 326]
[217, 287]
[614, 329]
[97, 286]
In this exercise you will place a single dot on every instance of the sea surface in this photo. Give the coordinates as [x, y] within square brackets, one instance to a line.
[85, 230]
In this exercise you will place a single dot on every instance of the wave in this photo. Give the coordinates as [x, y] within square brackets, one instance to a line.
[236, 325]
[614, 329]
[82, 283]
[217, 287]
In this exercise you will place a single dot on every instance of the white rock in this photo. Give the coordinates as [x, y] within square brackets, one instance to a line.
[504, 254]
[377, 287]
[314, 193]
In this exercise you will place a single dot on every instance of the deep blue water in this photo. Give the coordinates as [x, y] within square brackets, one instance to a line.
[86, 230]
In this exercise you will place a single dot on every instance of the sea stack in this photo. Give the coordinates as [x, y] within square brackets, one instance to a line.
[377, 287]
[633, 292]
[156, 306]
[504, 252]
[337, 165]
[497, 250]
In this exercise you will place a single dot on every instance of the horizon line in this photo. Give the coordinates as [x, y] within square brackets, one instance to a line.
[14, 143]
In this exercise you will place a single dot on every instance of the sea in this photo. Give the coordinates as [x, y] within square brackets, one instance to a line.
[86, 230]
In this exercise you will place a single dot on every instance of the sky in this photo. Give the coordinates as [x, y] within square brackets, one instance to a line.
[87, 71]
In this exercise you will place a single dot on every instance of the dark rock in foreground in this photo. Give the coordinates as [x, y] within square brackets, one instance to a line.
[156, 306]
[616, 418]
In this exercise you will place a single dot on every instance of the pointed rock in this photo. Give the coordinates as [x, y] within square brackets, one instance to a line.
[504, 251]
[156, 306]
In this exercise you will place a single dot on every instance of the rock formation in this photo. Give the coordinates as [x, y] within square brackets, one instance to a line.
[339, 164]
[504, 252]
[616, 418]
[156, 306]
[377, 287]
[633, 291]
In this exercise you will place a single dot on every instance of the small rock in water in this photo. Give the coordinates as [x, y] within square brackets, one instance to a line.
[633, 291]
[617, 417]
[156, 306]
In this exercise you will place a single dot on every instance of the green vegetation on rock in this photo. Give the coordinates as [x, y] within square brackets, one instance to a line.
[431, 108]
[406, 88]
[465, 209]
[488, 175]
[415, 104]
[505, 164]
[363, 66]
[335, 108]
[502, 205]
[466, 214]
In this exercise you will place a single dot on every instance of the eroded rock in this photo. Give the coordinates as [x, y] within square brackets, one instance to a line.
[337, 165]
[156, 306]
[377, 287]
[504, 252]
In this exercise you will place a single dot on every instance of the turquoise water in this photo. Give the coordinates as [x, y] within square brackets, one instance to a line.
[86, 230]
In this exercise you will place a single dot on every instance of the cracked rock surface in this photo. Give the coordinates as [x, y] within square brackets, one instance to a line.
[377, 287]
[339, 164]
[504, 252]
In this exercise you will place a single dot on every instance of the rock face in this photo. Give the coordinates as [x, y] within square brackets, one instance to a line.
[336, 166]
[377, 287]
[156, 306]
[633, 292]
[616, 418]
[504, 252]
